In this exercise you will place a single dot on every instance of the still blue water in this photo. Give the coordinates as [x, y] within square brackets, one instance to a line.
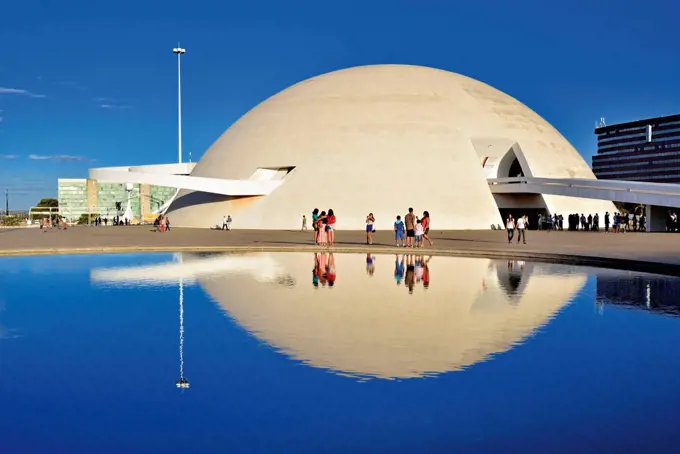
[478, 356]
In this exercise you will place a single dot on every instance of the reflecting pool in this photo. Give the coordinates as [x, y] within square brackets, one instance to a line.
[317, 353]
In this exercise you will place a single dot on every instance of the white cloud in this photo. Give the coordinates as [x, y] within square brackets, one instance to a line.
[58, 157]
[8, 156]
[114, 106]
[19, 91]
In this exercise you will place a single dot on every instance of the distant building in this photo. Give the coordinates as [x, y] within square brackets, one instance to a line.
[80, 196]
[642, 150]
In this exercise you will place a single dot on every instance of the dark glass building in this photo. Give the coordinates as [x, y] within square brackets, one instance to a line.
[642, 150]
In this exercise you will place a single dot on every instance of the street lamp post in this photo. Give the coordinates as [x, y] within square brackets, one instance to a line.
[179, 51]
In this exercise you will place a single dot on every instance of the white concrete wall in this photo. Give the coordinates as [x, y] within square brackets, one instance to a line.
[380, 139]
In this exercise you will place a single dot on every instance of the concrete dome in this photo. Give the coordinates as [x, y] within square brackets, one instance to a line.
[380, 139]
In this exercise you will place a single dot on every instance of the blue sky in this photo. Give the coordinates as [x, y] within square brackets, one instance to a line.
[86, 84]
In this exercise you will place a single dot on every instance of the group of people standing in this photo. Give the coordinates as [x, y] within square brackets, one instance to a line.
[548, 222]
[588, 223]
[626, 223]
[324, 227]
[412, 231]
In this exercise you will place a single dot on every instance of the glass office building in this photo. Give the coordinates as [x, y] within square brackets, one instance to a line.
[78, 197]
[72, 196]
[642, 150]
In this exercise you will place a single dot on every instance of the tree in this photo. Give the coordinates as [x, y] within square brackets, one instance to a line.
[48, 203]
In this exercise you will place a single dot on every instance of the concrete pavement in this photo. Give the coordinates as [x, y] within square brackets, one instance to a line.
[653, 252]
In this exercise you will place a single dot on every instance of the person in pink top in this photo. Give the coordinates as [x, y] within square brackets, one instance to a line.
[425, 221]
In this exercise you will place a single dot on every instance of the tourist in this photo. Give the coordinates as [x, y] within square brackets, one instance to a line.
[315, 226]
[426, 226]
[419, 233]
[167, 223]
[228, 222]
[540, 222]
[510, 228]
[596, 222]
[399, 230]
[330, 227]
[606, 222]
[616, 223]
[304, 223]
[522, 224]
[370, 220]
[224, 223]
[321, 223]
[410, 221]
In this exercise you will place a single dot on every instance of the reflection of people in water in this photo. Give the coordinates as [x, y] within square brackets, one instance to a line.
[315, 276]
[330, 270]
[370, 267]
[410, 279]
[398, 269]
[419, 268]
[426, 272]
[321, 268]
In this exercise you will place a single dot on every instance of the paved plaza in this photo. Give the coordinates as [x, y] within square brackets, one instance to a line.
[654, 252]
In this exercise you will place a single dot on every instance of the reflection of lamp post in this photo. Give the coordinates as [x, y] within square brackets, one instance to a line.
[182, 383]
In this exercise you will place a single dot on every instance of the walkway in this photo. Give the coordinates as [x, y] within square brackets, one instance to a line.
[658, 194]
[654, 252]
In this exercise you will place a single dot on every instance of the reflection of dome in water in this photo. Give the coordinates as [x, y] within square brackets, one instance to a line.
[369, 326]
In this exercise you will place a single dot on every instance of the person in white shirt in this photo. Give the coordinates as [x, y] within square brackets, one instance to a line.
[510, 227]
[224, 223]
[522, 224]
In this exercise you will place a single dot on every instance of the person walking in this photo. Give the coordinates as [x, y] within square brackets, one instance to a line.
[510, 227]
[522, 225]
[224, 223]
[304, 223]
[425, 221]
[370, 220]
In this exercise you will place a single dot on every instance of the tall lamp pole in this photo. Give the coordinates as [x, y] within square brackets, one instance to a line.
[179, 51]
[7, 202]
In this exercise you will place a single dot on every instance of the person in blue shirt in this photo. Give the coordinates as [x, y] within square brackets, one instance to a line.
[399, 230]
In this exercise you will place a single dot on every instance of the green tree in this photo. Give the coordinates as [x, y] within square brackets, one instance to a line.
[48, 203]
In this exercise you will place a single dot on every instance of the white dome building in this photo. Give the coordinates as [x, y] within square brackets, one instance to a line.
[381, 139]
